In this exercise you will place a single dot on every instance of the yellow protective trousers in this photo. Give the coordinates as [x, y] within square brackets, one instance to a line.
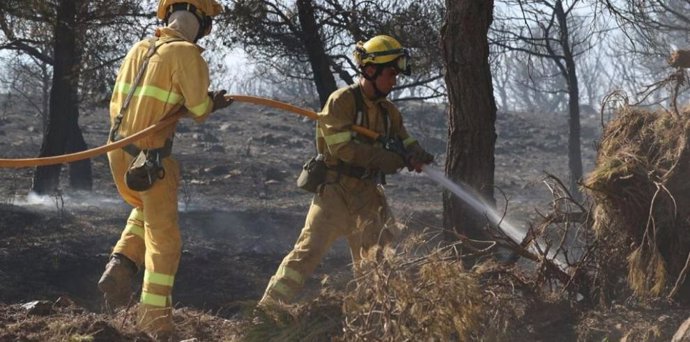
[345, 206]
[151, 236]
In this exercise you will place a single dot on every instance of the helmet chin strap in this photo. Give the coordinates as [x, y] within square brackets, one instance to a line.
[378, 94]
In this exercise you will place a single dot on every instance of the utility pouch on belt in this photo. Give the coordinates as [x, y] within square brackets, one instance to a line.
[144, 170]
[313, 174]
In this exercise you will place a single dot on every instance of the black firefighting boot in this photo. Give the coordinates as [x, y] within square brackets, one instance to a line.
[116, 281]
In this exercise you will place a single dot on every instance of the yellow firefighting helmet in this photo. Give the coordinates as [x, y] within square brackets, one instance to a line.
[204, 10]
[383, 50]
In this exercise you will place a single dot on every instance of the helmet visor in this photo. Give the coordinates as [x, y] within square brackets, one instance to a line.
[402, 63]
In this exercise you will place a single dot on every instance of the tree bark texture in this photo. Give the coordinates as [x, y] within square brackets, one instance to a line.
[319, 60]
[574, 150]
[472, 111]
[62, 133]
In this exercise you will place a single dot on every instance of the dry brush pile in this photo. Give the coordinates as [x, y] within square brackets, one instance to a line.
[418, 292]
[642, 206]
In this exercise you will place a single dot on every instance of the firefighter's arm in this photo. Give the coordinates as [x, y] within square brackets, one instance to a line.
[335, 122]
[413, 153]
[191, 75]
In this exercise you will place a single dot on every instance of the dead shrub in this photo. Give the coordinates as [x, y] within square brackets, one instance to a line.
[400, 296]
[642, 204]
[316, 320]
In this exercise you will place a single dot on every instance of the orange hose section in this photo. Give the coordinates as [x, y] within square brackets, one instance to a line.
[68, 158]
[301, 111]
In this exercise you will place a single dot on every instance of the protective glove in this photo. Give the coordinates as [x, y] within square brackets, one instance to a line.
[219, 99]
[418, 157]
[386, 161]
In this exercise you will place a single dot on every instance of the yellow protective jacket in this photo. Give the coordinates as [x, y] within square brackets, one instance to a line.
[336, 141]
[176, 76]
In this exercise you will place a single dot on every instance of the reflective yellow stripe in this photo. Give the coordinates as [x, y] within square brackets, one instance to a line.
[137, 214]
[285, 292]
[158, 278]
[135, 223]
[338, 138]
[409, 141]
[202, 108]
[289, 273]
[154, 299]
[134, 229]
[150, 91]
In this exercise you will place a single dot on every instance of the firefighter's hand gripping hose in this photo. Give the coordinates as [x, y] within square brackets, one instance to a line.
[68, 158]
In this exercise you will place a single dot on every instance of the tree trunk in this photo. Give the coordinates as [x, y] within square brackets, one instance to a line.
[574, 151]
[62, 131]
[80, 175]
[472, 111]
[323, 78]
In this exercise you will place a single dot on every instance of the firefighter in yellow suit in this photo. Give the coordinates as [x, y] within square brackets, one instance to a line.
[175, 79]
[351, 203]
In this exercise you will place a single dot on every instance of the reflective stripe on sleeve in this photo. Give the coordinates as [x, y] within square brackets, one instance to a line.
[202, 108]
[158, 278]
[409, 141]
[150, 91]
[337, 138]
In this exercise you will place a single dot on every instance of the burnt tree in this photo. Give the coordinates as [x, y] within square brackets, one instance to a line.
[472, 111]
[62, 133]
[318, 59]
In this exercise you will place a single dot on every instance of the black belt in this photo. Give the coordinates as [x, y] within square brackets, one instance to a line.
[162, 152]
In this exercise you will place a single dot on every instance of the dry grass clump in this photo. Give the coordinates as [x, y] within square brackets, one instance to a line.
[631, 323]
[422, 292]
[642, 195]
[680, 59]
[400, 296]
[313, 321]
[63, 320]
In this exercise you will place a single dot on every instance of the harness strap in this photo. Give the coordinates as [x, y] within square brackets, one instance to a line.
[361, 120]
[132, 149]
[359, 105]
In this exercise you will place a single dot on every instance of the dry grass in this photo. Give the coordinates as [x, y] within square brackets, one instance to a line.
[313, 321]
[403, 297]
[641, 193]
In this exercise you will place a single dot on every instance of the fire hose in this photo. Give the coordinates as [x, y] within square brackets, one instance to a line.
[431, 172]
[68, 158]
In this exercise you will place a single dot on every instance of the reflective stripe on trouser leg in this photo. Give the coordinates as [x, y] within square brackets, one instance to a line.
[131, 243]
[157, 283]
[285, 284]
[328, 218]
[162, 237]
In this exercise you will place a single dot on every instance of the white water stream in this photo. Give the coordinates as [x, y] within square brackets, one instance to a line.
[512, 231]
[480, 206]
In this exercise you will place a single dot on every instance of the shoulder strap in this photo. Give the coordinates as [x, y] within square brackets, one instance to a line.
[355, 90]
[137, 79]
[386, 120]
[359, 103]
